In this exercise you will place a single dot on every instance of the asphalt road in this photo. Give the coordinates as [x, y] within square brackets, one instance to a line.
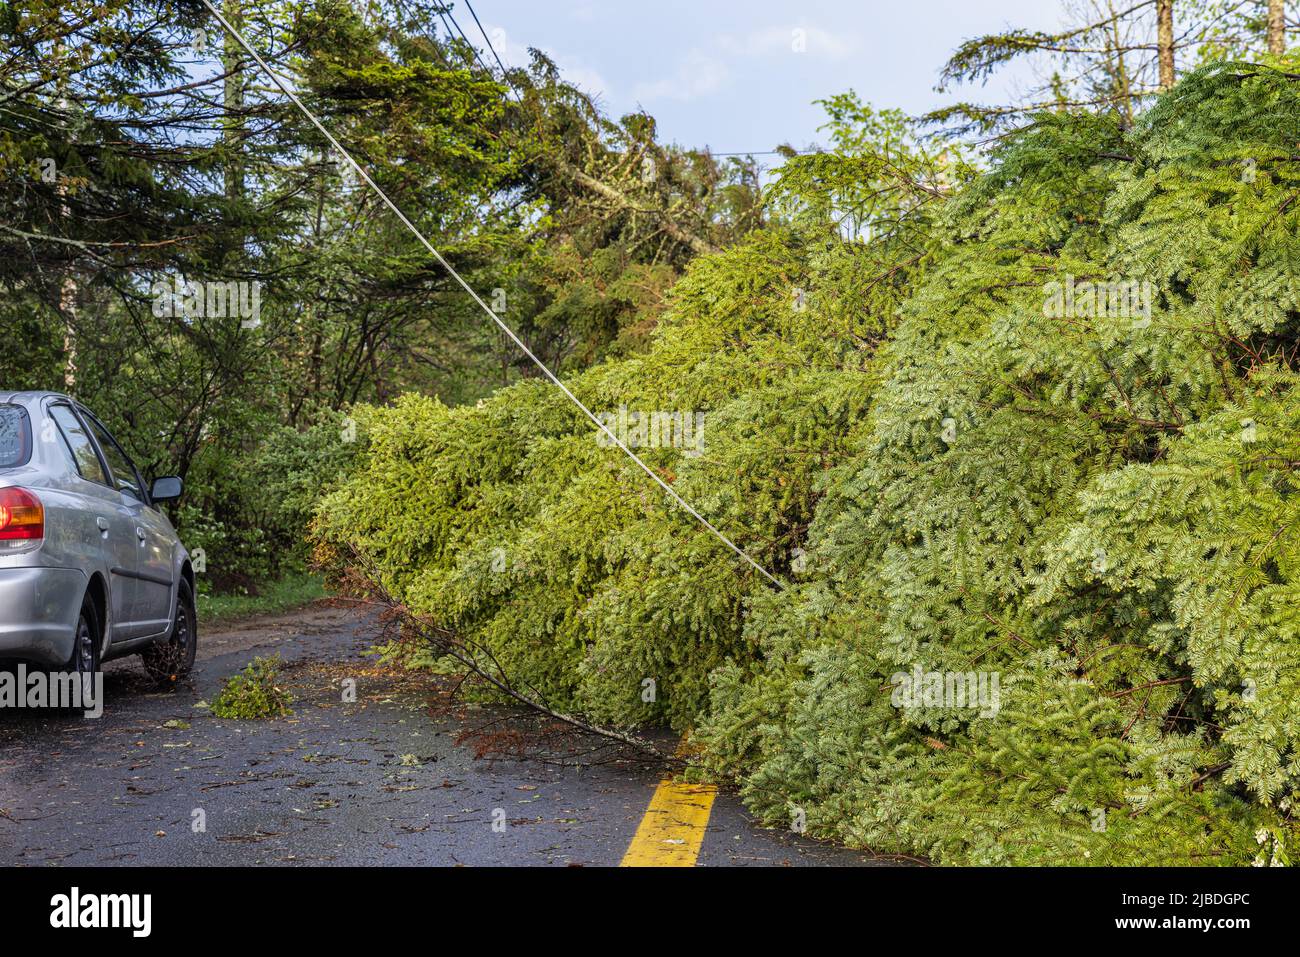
[403, 776]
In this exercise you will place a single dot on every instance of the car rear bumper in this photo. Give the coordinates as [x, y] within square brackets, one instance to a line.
[38, 613]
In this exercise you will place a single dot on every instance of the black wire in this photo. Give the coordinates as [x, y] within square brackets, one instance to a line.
[447, 14]
[488, 41]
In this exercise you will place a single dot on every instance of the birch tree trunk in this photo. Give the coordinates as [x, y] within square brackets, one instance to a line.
[68, 295]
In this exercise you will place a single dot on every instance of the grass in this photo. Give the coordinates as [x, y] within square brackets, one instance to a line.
[292, 591]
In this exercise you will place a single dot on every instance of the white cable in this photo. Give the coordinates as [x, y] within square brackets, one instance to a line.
[492, 315]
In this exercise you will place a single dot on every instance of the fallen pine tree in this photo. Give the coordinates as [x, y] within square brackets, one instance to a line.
[1033, 445]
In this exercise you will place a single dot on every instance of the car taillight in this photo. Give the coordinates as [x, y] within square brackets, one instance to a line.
[22, 517]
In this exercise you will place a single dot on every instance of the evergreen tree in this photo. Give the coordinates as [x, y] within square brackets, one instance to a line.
[1084, 497]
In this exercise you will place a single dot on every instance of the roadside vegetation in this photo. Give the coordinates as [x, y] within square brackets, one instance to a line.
[1012, 420]
[293, 590]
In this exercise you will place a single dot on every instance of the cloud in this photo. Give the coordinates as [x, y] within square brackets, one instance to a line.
[770, 41]
[699, 74]
[574, 71]
[702, 73]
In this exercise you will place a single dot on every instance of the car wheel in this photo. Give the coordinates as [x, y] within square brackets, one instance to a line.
[171, 659]
[84, 662]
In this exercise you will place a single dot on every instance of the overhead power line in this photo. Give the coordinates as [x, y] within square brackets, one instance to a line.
[488, 40]
[447, 15]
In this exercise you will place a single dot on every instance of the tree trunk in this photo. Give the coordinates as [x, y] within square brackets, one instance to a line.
[68, 294]
[233, 103]
[1276, 27]
[1165, 41]
[232, 131]
[68, 306]
[1123, 87]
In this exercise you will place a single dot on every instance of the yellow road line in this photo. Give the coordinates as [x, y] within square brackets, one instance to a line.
[673, 828]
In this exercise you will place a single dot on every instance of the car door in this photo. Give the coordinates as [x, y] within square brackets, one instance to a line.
[156, 569]
[153, 565]
[114, 524]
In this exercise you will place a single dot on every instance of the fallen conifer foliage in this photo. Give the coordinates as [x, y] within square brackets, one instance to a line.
[1027, 460]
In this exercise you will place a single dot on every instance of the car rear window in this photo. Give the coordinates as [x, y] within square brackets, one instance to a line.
[15, 437]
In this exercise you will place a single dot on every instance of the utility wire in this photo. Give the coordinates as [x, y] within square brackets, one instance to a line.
[445, 13]
[672, 493]
[488, 40]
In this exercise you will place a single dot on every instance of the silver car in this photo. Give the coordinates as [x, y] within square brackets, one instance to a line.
[90, 567]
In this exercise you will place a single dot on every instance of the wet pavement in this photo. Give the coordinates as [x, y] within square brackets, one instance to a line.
[405, 775]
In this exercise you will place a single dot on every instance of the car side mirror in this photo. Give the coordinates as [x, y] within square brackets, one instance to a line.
[167, 489]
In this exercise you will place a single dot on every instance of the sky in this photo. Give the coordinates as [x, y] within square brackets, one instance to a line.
[725, 74]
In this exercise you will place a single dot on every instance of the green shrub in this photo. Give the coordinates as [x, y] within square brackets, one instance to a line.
[249, 509]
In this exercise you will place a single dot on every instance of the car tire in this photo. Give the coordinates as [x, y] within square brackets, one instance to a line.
[172, 658]
[85, 652]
